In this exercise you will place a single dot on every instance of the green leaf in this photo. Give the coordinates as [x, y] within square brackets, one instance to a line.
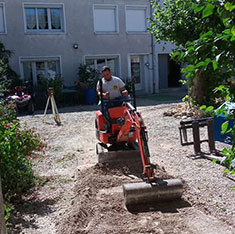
[225, 20]
[181, 55]
[191, 48]
[226, 31]
[198, 8]
[229, 6]
[207, 61]
[233, 187]
[174, 54]
[226, 171]
[233, 30]
[203, 107]
[188, 68]
[224, 127]
[200, 64]
[214, 161]
[215, 65]
[188, 75]
[208, 11]
[207, 34]
[224, 151]
[209, 109]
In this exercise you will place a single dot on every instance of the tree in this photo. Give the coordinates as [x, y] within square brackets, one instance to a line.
[204, 34]
[8, 78]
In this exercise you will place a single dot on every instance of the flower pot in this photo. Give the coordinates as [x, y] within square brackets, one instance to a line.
[90, 96]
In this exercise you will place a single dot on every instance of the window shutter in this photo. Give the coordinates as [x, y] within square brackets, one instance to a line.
[105, 19]
[136, 20]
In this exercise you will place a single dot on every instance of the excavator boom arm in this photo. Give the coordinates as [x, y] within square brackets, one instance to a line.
[134, 119]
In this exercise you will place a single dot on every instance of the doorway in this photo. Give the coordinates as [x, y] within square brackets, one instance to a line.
[137, 70]
[169, 72]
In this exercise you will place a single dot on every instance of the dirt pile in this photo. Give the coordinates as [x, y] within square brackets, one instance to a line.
[99, 203]
[184, 112]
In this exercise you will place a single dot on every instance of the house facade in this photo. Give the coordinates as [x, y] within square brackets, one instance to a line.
[50, 37]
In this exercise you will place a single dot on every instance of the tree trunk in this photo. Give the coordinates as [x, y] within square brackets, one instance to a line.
[2, 213]
[199, 87]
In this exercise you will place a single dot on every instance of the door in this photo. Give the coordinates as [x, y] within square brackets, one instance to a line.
[163, 71]
[169, 72]
[174, 75]
[137, 70]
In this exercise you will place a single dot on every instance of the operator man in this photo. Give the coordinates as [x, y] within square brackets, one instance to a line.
[113, 89]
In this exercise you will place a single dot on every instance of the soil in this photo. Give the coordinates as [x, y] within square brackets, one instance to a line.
[79, 195]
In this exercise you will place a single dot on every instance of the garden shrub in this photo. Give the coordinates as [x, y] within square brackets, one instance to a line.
[227, 93]
[56, 83]
[87, 79]
[17, 146]
[88, 76]
[8, 78]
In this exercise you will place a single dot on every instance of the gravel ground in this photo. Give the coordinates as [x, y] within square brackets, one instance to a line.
[80, 196]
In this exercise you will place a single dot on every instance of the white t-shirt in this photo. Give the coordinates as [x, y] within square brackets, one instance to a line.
[113, 86]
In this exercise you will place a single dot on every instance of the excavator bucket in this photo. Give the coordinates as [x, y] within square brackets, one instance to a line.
[119, 156]
[158, 191]
[131, 153]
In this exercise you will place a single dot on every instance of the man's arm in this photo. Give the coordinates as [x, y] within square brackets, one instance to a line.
[123, 91]
[105, 94]
[122, 88]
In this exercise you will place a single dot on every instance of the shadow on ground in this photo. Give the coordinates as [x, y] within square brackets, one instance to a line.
[25, 213]
[141, 100]
[164, 207]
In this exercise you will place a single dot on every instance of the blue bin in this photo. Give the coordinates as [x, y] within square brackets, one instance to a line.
[218, 121]
[90, 96]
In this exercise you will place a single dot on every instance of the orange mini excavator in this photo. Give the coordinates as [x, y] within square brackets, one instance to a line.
[123, 134]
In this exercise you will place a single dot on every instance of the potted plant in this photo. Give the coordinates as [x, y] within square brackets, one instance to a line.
[41, 90]
[88, 78]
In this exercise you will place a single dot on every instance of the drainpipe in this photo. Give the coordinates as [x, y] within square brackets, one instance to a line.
[153, 53]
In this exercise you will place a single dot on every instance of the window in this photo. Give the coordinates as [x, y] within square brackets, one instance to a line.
[35, 68]
[2, 18]
[42, 18]
[105, 19]
[136, 18]
[99, 62]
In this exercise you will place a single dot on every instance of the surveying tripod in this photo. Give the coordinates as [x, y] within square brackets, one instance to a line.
[53, 107]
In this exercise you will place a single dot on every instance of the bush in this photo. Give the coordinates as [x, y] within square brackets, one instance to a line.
[56, 83]
[8, 78]
[17, 146]
[227, 93]
[129, 85]
[88, 77]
